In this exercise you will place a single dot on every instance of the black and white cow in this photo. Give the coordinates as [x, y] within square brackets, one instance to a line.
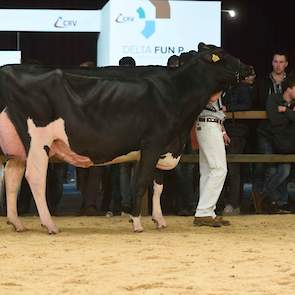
[98, 116]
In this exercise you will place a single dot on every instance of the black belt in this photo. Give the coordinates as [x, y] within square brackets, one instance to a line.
[209, 119]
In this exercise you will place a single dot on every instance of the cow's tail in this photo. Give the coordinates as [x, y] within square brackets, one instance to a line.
[3, 87]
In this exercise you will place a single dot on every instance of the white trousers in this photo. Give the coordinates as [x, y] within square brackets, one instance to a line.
[213, 166]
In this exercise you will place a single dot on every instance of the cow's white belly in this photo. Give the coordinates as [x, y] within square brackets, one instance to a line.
[167, 162]
[54, 136]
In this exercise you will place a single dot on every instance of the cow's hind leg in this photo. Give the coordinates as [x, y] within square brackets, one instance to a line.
[13, 174]
[1, 187]
[36, 170]
[157, 215]
[143, 176]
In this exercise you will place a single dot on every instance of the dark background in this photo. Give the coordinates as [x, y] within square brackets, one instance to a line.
[260, 29]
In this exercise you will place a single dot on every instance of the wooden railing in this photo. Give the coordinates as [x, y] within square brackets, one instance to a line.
[233, 158]
[246, 115]
[246, 158]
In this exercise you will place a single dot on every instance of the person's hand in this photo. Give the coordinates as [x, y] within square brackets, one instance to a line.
[224, 108]
[282, 109]
[226, 138]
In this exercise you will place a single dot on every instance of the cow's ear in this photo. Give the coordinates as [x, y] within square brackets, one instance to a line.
[201, 46]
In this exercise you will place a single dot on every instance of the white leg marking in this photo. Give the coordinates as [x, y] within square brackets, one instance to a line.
[36, 170]
[136, 221]
[157, 211]
[13, 174]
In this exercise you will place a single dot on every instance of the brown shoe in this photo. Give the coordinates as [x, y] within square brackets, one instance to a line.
[222, 221]
[257, 201]
[207, 221]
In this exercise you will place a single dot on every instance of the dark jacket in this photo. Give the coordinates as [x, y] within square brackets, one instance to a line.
[282, 125]
[262, 89]
[238, 98]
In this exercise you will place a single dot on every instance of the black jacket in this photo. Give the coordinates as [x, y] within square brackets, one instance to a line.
[262, 89]
[238, 98]
[282, 125]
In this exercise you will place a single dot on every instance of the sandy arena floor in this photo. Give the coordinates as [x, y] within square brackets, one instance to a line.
[102, 256]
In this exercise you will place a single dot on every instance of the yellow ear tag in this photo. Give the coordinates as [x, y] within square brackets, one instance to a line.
[215, 58]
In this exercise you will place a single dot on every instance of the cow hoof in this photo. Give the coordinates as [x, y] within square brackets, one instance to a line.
[17, 225]
[137, 227]
[138, 230]
[52, 230]
[160, 223]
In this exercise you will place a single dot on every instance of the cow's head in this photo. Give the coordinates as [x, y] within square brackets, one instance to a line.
[229, 68]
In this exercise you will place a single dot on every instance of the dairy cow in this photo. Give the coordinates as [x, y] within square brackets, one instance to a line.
[87, 116]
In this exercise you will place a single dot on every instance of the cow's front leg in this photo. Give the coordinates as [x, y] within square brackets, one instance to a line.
[36, 171]
[157, 215]
[13, 174]
[143, 176]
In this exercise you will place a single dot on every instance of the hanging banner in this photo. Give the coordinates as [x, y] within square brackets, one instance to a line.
[49, 20]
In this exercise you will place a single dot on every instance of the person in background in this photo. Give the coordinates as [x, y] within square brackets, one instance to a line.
[88, 181]
[238, 98]
[120, 175]
[280, 109]
[263, 88]
[126, 169]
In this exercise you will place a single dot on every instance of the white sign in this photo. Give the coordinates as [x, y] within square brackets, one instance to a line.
[148, 30]
[152, 31]
[10, 57]
[47, 20]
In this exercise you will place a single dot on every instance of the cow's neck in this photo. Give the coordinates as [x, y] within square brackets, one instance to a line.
[194, 84]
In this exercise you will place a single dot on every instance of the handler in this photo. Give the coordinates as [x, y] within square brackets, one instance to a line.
[212, 139]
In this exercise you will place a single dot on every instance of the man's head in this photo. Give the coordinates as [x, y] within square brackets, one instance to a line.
[87, 64]
[173, 61]
[127, 61]
[279, 63]
[186, 57]
[249, 80]
[31, 61]
[289, 88]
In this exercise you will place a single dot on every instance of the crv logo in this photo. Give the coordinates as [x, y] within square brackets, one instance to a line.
[62, 23]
